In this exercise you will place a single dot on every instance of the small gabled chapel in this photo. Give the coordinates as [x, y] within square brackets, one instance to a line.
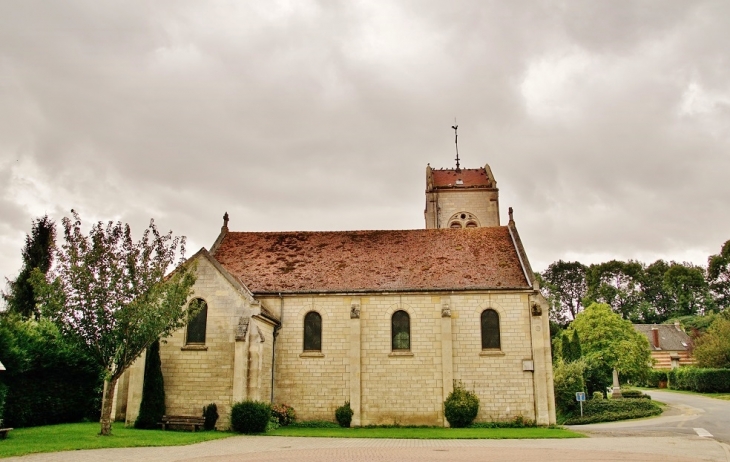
[387, 320]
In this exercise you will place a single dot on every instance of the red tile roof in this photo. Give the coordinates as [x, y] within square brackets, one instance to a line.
[470, 176]
[348, 261]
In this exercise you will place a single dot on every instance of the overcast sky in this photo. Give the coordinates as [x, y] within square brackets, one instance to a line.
[606, 123]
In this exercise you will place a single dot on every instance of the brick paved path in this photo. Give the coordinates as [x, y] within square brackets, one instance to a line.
[286, 449]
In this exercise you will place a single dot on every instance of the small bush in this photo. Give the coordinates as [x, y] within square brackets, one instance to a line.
[597, 395]
[250, 416]
[609, 410]
[210, 412]
[314, 424]
[700, 379]
[273, 424]
[343, 414]
[461, 407]
[284, 414]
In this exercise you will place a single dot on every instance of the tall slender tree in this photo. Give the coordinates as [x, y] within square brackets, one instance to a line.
[37, 253]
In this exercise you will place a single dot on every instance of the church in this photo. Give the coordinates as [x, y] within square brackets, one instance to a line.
[386, 320]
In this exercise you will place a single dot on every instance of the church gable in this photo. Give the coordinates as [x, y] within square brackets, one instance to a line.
[346, 261]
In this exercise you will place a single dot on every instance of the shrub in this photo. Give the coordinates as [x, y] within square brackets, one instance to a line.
[343, 414]
[49, 379]
[700, 380]
[152, 406]
[517, 422]
[3, 394]
[568, 380]
[655, 376]
[461, 407]
[250, 416]
[210, 412]
[597, 395]
[609, 410]
[284, 414]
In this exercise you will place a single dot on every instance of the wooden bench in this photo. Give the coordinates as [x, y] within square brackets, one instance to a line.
[4, 432]
[187, 421]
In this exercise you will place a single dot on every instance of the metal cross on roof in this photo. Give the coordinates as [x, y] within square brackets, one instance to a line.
[456, 143]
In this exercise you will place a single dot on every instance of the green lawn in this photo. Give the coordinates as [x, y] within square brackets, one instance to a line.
[429, 433]
[68, 437]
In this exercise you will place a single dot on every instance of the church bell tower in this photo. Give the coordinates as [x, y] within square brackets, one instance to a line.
[461, 197]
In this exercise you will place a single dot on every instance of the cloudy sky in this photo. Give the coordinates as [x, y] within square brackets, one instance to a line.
[606, 123]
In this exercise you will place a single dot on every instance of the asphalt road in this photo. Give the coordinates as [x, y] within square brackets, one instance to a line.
[688, 415]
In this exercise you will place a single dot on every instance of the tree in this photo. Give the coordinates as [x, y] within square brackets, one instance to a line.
[712, 349]
[565, 283]
[152, 406]
[687, 290]
[718, 276]
[112, 296]
[658, 306]
[37, 253]
[617, 284]
[608, 342]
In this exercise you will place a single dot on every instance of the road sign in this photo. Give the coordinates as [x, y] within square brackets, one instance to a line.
[580, 396]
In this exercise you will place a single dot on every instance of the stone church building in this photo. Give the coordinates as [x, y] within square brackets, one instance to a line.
[387, 320]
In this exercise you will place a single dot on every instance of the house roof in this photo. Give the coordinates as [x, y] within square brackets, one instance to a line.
[351, 261]
[471, 177]
[671, 337]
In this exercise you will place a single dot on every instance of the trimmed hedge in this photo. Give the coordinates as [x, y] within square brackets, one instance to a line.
[609, 410]
[700, 380]
[654, 377]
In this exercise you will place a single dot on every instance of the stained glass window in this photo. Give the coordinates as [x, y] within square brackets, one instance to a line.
[312, 332]
[401, 330]
[197, 323]
[490, 330]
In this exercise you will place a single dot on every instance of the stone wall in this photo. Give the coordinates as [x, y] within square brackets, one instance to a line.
[386, 387]
[483, 203]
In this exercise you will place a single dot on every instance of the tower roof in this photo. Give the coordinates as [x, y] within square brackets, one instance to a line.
[461, 178]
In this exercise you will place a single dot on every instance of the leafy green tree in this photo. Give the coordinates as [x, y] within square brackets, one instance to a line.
[564, 283]
[712, 349]
[609, 342]
[152, 406]
[568, 380]
[37, 253]
[658, 306]
[111, 294]
[718, 276]
[617, 284]
[687, 290]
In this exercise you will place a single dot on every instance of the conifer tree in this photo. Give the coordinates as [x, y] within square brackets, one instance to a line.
[37, 253]
[152, 407]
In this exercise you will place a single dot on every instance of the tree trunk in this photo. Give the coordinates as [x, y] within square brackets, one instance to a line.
[106, 406]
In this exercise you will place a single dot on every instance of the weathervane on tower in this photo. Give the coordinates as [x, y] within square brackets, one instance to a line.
[456, 143]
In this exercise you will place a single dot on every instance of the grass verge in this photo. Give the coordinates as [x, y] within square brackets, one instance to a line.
[725, 396]
[434, 433]
[69, 437]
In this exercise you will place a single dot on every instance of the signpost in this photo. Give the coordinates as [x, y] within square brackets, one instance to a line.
[580, 397]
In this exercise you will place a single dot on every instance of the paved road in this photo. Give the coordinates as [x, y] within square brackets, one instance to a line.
[286, 449]
[688, 415]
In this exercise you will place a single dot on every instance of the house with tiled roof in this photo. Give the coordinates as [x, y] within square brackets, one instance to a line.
[670, 346]
[386, 320]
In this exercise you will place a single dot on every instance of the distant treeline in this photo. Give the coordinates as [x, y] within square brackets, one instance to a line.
[639, 292]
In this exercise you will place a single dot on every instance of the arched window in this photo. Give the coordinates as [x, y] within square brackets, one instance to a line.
[312, 331]
[401, 331]
[455, 224]
[198, 322]
[463, 220]
[490, 330]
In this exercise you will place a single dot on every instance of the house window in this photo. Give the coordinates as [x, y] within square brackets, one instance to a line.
[490, 330]
[401, 331]
[197, 323]
[312, 331]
